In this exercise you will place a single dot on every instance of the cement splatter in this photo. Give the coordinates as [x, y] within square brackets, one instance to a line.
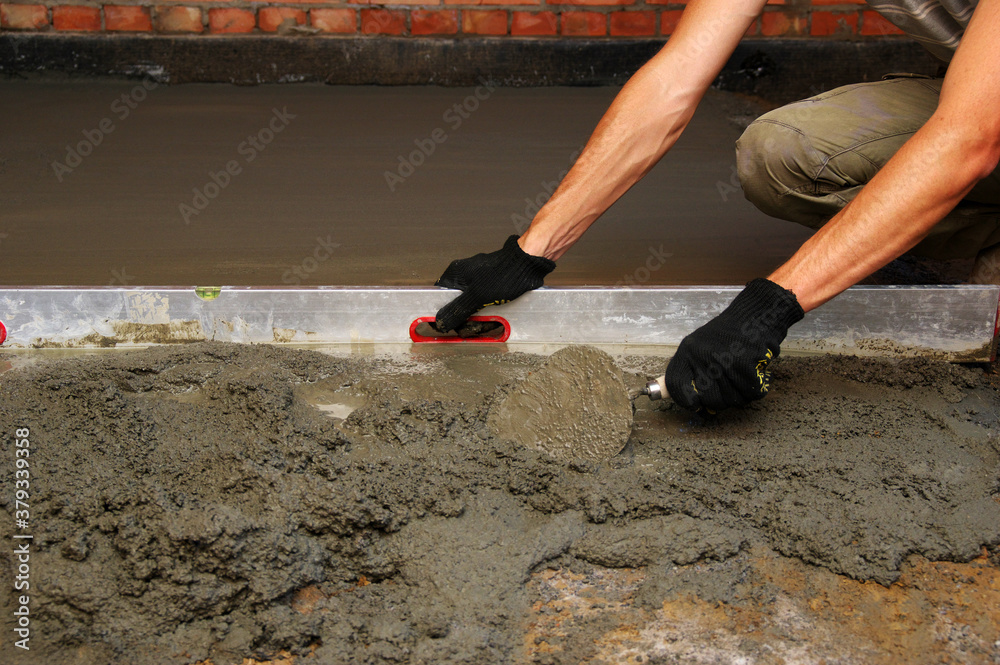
[194, 502]
[129, 332]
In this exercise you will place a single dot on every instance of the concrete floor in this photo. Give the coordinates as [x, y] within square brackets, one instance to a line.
[313, 205]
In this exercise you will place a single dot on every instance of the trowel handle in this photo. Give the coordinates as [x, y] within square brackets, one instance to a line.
[656, 389]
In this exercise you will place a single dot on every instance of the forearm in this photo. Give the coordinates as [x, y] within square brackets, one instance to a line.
[930, 174]
[643, 122]
[640, 126]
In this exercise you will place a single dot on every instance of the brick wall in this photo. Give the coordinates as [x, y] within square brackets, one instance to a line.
[820, 19]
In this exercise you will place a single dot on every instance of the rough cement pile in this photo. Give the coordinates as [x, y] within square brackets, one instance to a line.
[201, 501]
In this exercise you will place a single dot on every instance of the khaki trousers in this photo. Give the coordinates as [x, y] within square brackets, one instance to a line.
[805, 161]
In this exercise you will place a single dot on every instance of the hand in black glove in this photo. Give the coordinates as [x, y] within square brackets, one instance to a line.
[724, 363]
[490, 279]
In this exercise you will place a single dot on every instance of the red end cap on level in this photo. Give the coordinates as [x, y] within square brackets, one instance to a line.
[3, 333]
[493, 336]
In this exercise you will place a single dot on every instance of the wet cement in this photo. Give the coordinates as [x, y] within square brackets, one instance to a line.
[221, 501]
[575, 405]
[311, 204]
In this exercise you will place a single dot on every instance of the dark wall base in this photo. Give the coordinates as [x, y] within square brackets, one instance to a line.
[771, 68]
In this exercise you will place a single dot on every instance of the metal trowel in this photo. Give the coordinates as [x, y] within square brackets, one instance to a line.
[655, 389]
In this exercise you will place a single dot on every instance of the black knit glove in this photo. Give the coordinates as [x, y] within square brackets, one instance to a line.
[490, 279]
[724, 363]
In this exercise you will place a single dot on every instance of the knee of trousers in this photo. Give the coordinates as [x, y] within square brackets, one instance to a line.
[773, 160]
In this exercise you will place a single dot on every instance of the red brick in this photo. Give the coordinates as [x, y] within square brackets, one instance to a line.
[73, 17]
[782, 24]
[24, 17]
[433, 21]
[422, 3]
[127, 19]
[178, 19]
[484, 22]
[534, 23]
[584, 24]
[669, 20]
[840, 24]
[491, 2]
[342, 21]
[591, 2]
[269, 19]
[873, 23]
[633, 24]
[382, 22]
[224, 20]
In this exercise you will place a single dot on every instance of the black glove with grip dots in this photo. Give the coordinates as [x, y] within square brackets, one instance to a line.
[490, 279]
[725, 362]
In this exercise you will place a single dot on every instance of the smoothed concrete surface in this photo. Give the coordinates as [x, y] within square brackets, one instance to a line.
[313, 207]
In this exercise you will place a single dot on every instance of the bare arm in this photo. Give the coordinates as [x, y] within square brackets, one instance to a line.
[643, 122]
[931, 173]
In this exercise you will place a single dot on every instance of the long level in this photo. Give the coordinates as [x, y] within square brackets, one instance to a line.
[949, 322]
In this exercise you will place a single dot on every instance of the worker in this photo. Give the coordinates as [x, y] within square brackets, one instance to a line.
[879, 168]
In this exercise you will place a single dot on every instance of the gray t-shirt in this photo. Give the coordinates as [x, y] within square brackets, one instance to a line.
[937, 24]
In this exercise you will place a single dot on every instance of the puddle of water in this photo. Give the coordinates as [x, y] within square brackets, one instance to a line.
[340, 411]
[332, 397]
[192, 395]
